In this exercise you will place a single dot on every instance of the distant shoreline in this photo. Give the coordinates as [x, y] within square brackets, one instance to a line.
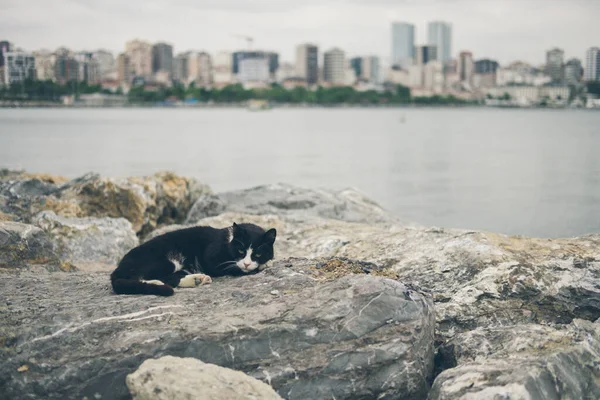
[274, 106]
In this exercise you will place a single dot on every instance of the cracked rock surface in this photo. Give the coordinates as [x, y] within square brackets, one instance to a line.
[307, 335]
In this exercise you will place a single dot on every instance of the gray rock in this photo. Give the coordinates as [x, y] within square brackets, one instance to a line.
[208, 205]
[174, 378]
[26, 246]
[90, 244]
[476, 278]
[287, 200]
[523, 362]
[358, 336]
[147, 202]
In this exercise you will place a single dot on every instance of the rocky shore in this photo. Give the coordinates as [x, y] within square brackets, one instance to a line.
[356, 305]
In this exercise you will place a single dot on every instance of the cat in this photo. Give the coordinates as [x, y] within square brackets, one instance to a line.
[191, 256]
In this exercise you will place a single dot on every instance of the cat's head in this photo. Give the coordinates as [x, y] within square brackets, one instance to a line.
[251, 246]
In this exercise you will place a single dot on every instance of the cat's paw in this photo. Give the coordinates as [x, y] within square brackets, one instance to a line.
[154, 282]
[194, 280]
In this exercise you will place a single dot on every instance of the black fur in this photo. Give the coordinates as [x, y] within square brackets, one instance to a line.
[204, 250]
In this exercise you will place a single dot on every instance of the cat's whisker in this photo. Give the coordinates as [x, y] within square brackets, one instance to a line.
[227, 268]
[226, 262]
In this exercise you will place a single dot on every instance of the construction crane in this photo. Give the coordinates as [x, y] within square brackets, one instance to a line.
[248, 39]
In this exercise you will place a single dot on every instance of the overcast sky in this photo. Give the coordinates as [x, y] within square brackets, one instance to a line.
[505, 30]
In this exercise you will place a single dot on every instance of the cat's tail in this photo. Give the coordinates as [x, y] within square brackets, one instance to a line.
[134, 286]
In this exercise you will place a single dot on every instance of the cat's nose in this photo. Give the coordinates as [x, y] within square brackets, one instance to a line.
[247, 264]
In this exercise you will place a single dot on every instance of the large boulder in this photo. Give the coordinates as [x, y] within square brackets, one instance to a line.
[90, 244]
[175, 378]
[146, 202]
[528, 361]
[288, 200]
[309, 335]
[27, 246]
[475, 278]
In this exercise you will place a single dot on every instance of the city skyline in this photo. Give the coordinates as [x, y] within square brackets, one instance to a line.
[357, 29]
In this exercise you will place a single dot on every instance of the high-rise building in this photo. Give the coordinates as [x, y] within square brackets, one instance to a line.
[555, 65]
[180, 67]
[573, 71]
[485, 73]
[486, 66]
[254, 69]
[87, 68]
[307, 63]
[433, 76]
[403, 44]
[5, 47]
[592, 64]
[466, 66]
[44, 65]
[223, 68]
[162, 58]
[439, 34]
[140, 58]
[18, 66]
[66, 68]
[334, 66]
[367, 68]
[425, 53]
[199, 67]
[123, 70]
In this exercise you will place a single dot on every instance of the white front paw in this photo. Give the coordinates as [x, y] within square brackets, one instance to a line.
[194, 280]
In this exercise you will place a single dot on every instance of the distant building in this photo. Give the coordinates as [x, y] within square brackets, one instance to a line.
[433, 76]
[44, 65]
[555, 65]
[573, 71]
[307, 63]
[66, 68]
[466, 67]
[485, 73]
[200, 69]
[162, 58]
[5, 47]
[521, 74]
[107, 65]
[254, 69]
[180, 67]
[123, 70]
[398, 76]
[140, 58]
[403, 44]
[286, 72]
[334, 66]
[486, 66]
[18, 66]
[532, 95]
[100, 100]
[592, 64]
[223, 68]
[367, 68]
[416, 75]
[439, 34]
[425, 54]
[87, 68]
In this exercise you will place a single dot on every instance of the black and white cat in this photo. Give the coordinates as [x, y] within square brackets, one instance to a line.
[188, 257]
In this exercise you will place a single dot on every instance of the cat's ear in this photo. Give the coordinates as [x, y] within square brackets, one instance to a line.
[235, 227]
[270, 236]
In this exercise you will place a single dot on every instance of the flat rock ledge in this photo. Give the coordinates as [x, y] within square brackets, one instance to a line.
[307, 334]
[175, 378]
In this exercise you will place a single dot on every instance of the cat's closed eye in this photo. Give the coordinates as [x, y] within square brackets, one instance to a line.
[241, 251]
[257, 255]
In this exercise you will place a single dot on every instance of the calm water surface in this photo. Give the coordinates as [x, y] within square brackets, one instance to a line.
[529, 172]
